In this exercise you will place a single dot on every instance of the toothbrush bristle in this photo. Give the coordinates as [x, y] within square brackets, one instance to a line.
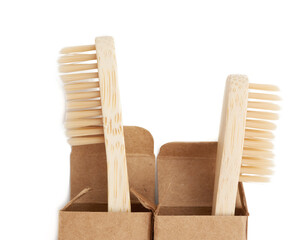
[79, 76]
[77, 49]
[76, 141]
[81, 86]
[258, 143]
[82, 95]
[263, 87]
[83, 114]
[256, 133]
[82, 132]
[83, 105]
[263, 106]
[67, 68]
[262, 115]
[257, 157]
[85, 122]
[77, 58]
[257, 162]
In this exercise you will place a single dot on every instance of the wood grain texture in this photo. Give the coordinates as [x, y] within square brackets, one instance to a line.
[118, 185]
[230, 145]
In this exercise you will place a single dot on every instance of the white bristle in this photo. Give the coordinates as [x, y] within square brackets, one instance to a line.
[86, 131]
[81, 86]
[256, 133]
[77, 58]
[256, 170]
[262, 115]
[257, 154]
[260, 124]
[76, 141]
[86, 122]
[263, 96]
[82, 95]
[263, 87]
[263, 106]
[77, 49]
[253, 178]
[75, 105]
[79, 76]
[77, 67]
[257, 162]
[83, 114]
[83, 107]
[256, 143]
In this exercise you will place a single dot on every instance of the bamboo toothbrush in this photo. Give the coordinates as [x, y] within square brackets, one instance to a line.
[93, 113]
[244, 145]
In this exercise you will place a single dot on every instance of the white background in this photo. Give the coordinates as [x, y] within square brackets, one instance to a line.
[173, 60]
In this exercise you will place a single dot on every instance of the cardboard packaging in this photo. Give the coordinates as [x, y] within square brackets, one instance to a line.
[86, 216]
[185, 183]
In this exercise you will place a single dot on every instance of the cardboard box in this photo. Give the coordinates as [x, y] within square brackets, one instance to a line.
[185, 183]
[86, 216]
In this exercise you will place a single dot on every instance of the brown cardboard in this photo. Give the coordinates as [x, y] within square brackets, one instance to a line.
[185, 183]
[88, 167]
[86, 216]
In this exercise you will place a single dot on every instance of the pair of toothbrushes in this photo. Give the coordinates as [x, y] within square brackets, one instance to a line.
[94, 116]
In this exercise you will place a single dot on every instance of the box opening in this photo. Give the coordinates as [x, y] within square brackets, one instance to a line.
[75, 205]
[193, 211]
[186, 172]
[100, 207]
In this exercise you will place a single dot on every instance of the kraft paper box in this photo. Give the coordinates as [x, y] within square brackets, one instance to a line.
[86, 217]
[185, 187]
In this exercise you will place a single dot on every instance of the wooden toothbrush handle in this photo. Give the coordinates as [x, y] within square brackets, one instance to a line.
[118, 185]
[230, 145]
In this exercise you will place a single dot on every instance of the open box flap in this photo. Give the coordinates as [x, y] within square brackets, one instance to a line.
[89, 168]
[78, 196]
[186, 175]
